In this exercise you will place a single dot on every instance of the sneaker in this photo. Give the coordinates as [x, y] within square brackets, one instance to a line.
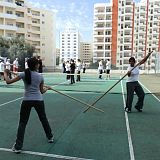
[16, 150]
[138, 109]
[51, 140]
[127, 110]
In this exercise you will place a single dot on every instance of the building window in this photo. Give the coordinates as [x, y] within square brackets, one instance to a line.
[9, 12]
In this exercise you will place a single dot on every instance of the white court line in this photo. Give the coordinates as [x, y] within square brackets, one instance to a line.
[10, 101]
[46, 155]
[131, 150]
[150, 92]
[22, 97]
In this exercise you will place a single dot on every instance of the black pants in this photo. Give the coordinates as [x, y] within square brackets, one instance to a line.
[24, 117]
[100, 73]
[68, 75]
[131, 88]
[78, 76]
[84, 69]
[72, 77]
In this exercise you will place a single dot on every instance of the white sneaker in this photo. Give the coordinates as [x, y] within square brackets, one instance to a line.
[16, 150]
[51, 140]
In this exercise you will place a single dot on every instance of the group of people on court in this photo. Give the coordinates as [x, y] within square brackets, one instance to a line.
[35, 87]
[70, 67]
[7, 65]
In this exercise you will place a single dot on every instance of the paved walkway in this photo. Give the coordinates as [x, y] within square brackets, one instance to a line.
[152, 82]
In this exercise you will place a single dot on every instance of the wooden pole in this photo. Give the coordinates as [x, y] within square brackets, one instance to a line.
[75, 99]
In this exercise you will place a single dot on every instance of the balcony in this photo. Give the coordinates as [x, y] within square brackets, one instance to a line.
[8, 27]
[21, 30]
[9, 16]
[8, 4]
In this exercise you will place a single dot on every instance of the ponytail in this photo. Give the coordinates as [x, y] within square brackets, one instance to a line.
[27, 76]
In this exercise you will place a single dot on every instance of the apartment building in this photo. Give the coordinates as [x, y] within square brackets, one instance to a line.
[69, 44]
[37, 26]
[86, 52]
[123, 28]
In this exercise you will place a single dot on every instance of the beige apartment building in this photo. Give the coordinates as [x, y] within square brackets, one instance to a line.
[86, 52]
[123, 28]
[35, 25]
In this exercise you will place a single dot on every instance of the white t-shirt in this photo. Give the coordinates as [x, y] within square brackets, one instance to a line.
[108, 65]
[1, 67]
[78, 66]
[15, 63]
[100, 67]
[26, 65]
[134, 74]
[8, 65]
[67, 66]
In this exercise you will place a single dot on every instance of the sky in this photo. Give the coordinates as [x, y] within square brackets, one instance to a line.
[71, 13]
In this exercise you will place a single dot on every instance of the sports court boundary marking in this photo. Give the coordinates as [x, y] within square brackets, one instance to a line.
[150, 92]
[22, 97]
[10, 101]
[46, 155]
[131, 150]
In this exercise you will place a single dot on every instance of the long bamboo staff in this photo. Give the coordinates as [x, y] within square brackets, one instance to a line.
[75, 99]
[138, 64]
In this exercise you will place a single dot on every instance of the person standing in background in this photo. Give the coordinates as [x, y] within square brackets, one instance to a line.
[68, 66]
[8, 66]
[26, 64]
[1, 69]
[40, 69]
[15, 65]
[78, 68]
[64, 66]
[84, 67]
[100, 68]
[108, 68]
[73, 67]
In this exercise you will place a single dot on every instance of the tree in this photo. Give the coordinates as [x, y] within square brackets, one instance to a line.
[16, 48]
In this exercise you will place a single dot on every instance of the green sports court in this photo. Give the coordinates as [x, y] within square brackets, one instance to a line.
[112, 135]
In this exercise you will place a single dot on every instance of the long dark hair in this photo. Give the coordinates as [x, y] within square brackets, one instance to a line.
[32, 62]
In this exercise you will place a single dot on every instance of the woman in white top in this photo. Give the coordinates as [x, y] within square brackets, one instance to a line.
[8, 66]
[108, 68]
[1, 69]
[78, 68]
[15, 65]
[67, 66]
[100, 68]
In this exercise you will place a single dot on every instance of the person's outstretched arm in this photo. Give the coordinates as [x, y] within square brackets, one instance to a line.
[7, 79]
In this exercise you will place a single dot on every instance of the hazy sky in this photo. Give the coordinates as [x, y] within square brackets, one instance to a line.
[72, 13]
